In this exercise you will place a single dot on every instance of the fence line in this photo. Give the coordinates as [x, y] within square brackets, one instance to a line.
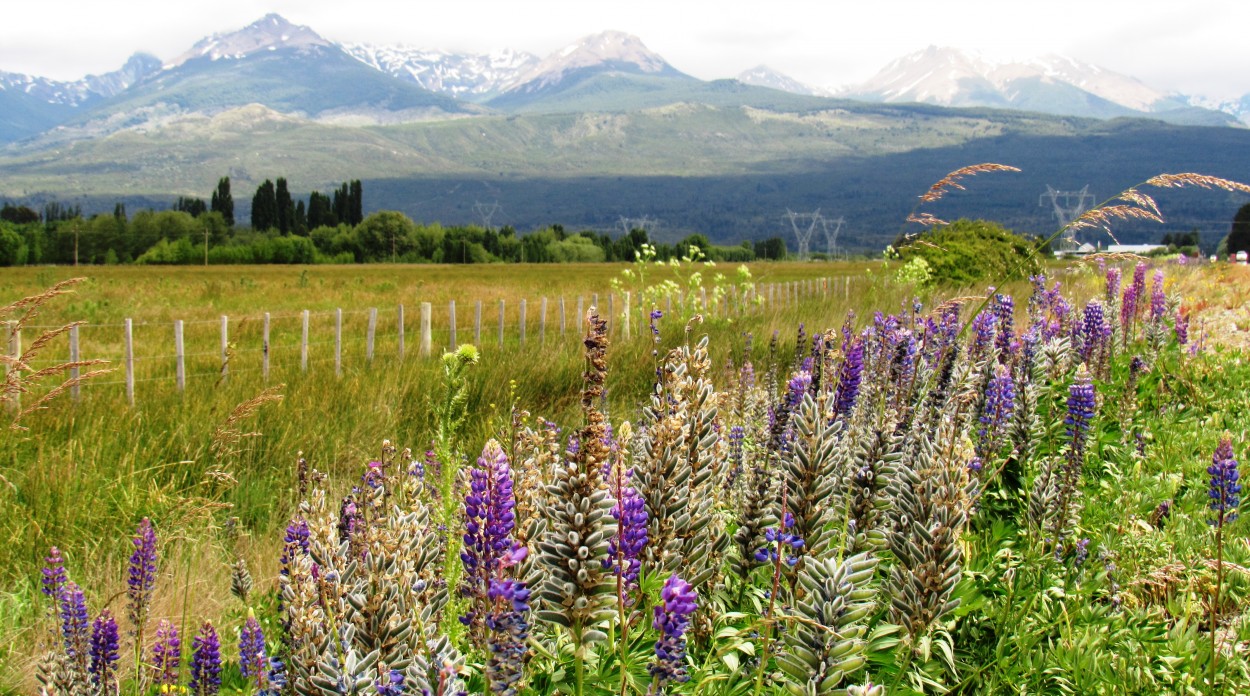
[277, 332]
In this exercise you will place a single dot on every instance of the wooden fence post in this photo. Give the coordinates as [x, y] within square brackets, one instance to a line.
[373, 326]
[427, 337]
[180, 357]
[625, 324]
[501, 309]
[225, 349]
[451, 312]
[73, 357]
[581, 313]
[522, 324]
[477, 324]
[401, 333]
[130, 362]
[542, 322]
[562, 320]
[303, 344]
[338, 342]
[15, 351]
[611, 315]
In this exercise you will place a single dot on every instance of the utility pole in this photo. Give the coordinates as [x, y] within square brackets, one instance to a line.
[75, 245]
[206, 246]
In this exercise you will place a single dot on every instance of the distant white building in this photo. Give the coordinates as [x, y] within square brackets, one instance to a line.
[1134, 248]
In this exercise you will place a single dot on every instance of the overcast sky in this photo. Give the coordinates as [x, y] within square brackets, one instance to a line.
[1191, 46]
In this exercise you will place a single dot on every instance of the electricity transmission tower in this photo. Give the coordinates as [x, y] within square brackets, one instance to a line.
[486, 211]
[801, 233]
[646, 223]
[831, 237]
[1067, 205]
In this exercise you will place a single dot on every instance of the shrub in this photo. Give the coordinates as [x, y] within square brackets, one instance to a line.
[969, 251]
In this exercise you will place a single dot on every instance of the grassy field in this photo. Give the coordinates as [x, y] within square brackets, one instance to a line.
[86, 471]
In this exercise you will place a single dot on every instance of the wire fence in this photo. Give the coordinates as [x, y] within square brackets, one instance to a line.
[142, 352]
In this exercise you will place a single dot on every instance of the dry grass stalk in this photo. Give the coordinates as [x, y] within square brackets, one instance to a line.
[956, 302]
[1112, 257]
[1201, 180]
[19, 377]
[926, 219]
[951, 181]
[229, 434]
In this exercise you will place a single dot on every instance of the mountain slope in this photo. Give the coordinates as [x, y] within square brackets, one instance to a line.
[284, 67]
[1050, 84]
[461, 75]
[764, 76]
[610, 54]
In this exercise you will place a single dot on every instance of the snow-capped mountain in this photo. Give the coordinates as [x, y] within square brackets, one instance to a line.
[79, 92]
[1237, 108]
[609, 51]
[1052, 83]
[461, 75]
[764, 76]
[269, 33]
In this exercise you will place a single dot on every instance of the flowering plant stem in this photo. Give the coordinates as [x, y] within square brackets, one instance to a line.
[778, 559]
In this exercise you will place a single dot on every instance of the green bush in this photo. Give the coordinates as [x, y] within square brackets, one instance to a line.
[970, 251]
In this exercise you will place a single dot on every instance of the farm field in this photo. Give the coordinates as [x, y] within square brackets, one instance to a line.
[1036, 555]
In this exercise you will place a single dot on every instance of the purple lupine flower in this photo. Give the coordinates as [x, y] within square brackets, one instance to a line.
[672, 618]
[166, 655]
[104, 655]
[1094, 331]
[54, 578]
[796, 388]
[625, 547]
[489, 520]
[849, 377]
[351, 519]
[984, 330]
[655, 316]
[1082, 552]
[296, 538]
[75, 626]
[736, 438]
[1224, 491]
[1004, 313]
[142, 580]
[1158, 299]
[779, 537]
[253, 661]
[509, 631]
[205, 662]
[1000, 404]
[1081, 407]
[1133, 296]
[1114, 278]
[391, 685]
[1182, 328]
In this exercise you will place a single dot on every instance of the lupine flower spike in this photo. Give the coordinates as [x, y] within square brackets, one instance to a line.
[205, 662]
[672, 618]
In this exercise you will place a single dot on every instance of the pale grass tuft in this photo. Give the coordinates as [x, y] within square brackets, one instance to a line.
[957, 302]
[951, 181]
[1107, 256]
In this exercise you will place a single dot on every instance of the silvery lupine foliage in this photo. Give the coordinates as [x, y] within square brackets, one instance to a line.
[828, 645]
[576, 591]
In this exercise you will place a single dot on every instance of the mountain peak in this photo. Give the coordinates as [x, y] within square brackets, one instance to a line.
[269, 33]
[607, 50]
[764, 76]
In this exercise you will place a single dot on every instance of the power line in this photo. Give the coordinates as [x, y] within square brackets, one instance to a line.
[804, 235]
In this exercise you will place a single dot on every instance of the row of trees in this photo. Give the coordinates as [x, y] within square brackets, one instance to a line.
[274, 208]
[178, 237]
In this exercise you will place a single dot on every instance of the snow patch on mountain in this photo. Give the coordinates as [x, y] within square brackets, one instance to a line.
[461, 75]
[268, 33]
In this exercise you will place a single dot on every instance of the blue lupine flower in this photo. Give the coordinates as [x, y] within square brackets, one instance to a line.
[253, 661]
[672, 618]
[104, 652]
[1224, 491]
[142, 577]
[205, 662]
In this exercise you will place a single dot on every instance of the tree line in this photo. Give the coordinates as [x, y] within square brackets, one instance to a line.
[328, 228]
